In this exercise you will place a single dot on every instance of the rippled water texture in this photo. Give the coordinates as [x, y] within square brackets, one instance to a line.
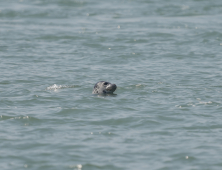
[164, 56]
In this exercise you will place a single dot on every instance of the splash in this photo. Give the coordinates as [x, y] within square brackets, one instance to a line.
[56, 87]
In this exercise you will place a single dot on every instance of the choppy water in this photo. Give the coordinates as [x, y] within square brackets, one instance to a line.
[164, 56]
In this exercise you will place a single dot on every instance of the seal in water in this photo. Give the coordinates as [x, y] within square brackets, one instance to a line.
[104, 87]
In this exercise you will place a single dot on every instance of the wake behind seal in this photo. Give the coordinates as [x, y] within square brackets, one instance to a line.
[104, 87]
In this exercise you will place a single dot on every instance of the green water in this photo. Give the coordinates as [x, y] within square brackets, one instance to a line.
[165, 58]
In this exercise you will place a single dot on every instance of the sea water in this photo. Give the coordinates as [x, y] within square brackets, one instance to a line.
[165, 58]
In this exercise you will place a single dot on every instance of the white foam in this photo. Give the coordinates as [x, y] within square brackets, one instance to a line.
[139, 85]
[205, 102]
[55, 87]
[79, 166]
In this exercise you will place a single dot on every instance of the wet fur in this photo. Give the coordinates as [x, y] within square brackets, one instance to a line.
[104, 87]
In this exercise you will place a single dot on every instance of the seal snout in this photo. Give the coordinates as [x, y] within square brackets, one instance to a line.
[111, 87]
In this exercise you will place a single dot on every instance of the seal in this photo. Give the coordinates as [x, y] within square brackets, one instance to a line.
[104, 87]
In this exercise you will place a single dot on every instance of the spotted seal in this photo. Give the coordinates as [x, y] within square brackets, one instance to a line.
[104, 87]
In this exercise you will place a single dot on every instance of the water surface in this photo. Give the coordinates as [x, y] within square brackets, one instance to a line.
[164, 56]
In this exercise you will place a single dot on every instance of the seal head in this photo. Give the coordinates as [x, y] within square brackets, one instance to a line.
[104, 87]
